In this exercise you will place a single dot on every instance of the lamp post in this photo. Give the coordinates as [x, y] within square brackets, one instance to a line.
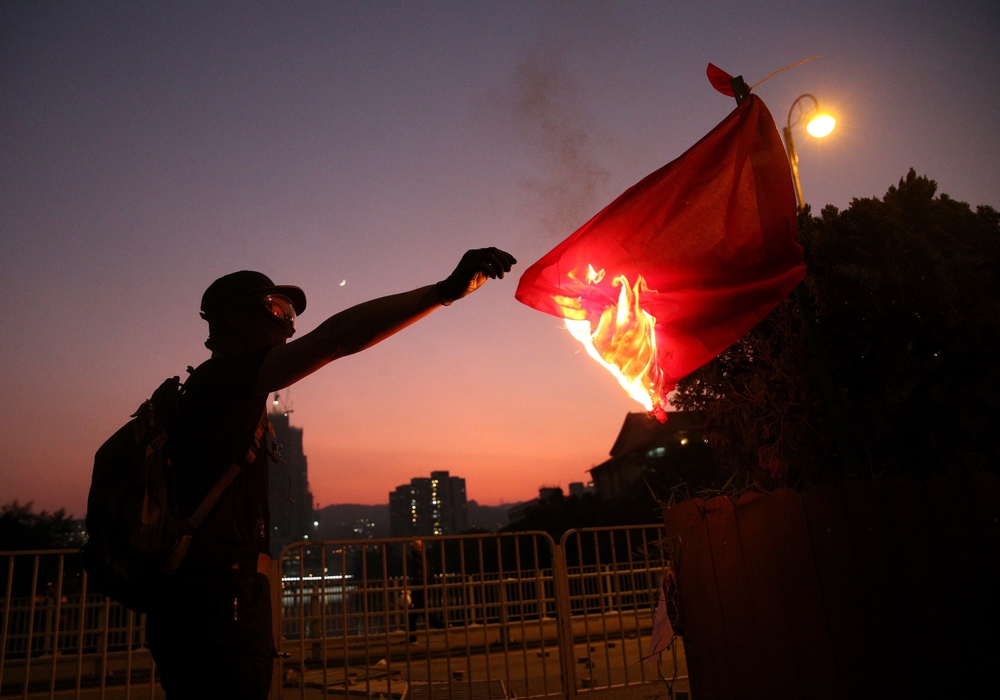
[818, 124]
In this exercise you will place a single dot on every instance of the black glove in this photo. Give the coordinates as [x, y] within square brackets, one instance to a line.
[472, 271]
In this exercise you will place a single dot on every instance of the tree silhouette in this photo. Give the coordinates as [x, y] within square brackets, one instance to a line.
[23, 529]
[905, 292]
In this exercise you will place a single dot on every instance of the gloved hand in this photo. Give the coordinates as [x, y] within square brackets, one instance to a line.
[472, 271]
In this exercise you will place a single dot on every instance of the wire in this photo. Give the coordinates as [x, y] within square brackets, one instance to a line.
[804, 60]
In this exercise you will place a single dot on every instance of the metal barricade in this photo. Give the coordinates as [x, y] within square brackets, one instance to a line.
[612, 580]
[468, 616]
[484, 616]
[446, 617]
[59, 641]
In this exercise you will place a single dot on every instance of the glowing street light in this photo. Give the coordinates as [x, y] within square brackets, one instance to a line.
[818, 124]
[821, 125]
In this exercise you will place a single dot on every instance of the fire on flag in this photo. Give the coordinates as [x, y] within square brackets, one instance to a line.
[683, 263]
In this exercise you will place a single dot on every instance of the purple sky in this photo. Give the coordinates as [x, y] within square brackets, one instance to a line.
[148, 148]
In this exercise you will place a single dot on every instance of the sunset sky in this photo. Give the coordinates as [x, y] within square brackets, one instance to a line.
[358, 149]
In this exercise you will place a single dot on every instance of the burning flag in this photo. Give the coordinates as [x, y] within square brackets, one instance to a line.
[683, 263]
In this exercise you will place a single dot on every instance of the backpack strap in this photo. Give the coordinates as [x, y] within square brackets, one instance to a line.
[180, 549]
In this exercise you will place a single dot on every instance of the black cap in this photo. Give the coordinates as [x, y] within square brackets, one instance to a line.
[234, 287]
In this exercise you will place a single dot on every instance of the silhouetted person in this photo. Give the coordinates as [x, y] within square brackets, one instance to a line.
[210, 630]
[417, 609]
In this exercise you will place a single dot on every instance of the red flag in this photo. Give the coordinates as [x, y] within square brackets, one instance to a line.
[713, 237]
[720, 79]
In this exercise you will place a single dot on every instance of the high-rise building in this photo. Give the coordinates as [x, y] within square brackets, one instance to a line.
[434, 506]
[289, 497]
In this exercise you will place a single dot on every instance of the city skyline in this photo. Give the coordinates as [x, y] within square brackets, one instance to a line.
[434, 505]
[358, 150]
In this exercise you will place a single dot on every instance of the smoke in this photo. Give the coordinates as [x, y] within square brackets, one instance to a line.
[547, 105]
[551, 123]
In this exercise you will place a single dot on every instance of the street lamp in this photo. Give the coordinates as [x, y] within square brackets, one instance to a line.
[818, 124]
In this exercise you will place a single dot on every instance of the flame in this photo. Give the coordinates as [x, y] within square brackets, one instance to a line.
[594, 277]
[624, 340]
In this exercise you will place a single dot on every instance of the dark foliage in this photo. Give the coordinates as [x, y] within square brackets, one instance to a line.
[23, 529]
[905, 293]
[678, 473]
[561, 513]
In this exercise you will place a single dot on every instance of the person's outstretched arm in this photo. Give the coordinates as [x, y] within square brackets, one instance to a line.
[366, 324]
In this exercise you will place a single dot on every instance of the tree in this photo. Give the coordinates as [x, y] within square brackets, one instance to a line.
[905, 295]
[22, 529]
[638, 505]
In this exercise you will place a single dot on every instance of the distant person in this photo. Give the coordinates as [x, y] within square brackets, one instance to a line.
[210, 629]
[417, 609]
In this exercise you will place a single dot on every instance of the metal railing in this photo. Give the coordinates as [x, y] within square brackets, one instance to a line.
[58, 640]
[465, 616]
[486, 616]
[614, 577]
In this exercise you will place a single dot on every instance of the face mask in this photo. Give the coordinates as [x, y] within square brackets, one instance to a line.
[270, 324]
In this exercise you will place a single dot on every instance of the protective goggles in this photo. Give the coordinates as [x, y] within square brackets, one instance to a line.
[280, 306]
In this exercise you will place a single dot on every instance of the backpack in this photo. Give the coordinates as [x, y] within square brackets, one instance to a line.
[136, 540]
